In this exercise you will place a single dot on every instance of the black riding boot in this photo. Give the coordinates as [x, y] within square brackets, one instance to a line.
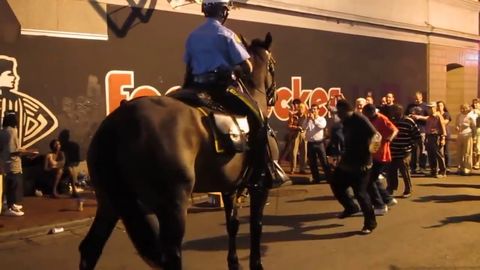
[275, 175]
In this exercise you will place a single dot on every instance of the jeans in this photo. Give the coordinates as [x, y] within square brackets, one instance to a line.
[13, 184]
[399, 164]
[435, 155]
[359, 181]
[316, 151]
[378, 194]
[419, 155]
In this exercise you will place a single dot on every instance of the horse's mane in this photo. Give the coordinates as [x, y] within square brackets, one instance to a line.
[254, 45]
[257, 43]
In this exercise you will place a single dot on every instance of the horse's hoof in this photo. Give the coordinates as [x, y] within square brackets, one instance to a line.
[234, 266]
[257, 266]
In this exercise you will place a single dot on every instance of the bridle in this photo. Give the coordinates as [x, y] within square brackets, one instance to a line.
[271, 90]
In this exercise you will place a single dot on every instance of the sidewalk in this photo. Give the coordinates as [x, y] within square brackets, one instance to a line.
[43, 214]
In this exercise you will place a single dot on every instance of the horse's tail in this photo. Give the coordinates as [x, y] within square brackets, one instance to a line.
[114, 188]
[100, 152]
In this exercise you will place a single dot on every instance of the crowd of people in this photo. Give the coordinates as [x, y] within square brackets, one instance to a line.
[59, 164]
[358, 145]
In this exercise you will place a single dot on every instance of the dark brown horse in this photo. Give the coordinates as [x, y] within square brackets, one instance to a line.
[150, 154]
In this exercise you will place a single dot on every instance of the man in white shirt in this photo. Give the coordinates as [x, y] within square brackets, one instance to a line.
[465, 126]
[314, 126]
[474, 114]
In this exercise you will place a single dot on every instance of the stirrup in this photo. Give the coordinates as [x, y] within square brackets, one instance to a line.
[278, 175]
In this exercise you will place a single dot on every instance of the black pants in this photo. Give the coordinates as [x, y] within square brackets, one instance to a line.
[435, 154]
[399, 164]
[13, 186]
[316, 151]
[378, 194]
[342, 180]
[418, 155]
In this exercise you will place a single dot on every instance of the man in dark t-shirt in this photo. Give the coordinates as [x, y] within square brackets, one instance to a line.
[355, 165]
[418, 112]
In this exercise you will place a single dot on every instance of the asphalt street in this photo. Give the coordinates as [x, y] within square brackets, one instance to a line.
[436, 228]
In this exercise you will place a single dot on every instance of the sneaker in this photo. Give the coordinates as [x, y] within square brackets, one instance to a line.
[13, 213]
[392, 202]
[441, 175]
[38, 193]
[406, 194]
[368, 229]
[17, 207]
[381, 211]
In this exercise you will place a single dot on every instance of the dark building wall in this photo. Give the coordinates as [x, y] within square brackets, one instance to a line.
[68, 75]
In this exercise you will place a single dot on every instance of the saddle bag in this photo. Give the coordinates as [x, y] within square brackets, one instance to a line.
[230, 133]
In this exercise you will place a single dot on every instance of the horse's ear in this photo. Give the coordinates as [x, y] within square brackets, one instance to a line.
[244, 41]
[268, 40]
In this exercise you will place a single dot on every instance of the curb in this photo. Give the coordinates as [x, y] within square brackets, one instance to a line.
[31, 232]
[42, 230]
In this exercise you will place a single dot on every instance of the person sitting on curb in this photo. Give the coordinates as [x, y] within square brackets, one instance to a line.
[54, 163]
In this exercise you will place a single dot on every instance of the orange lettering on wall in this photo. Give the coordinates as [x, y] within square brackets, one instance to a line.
[115, 82]
[319, 96]
[119, 85]
[281, 108]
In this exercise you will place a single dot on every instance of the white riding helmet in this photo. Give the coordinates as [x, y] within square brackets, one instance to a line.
[216, 8]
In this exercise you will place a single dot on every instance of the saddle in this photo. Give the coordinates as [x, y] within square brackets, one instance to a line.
[229, 130]
[230, 133]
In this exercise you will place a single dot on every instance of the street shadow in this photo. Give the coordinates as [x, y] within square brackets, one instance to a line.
[314, 199]
[447, 198]
[68, 210]
[449, 185]
[296, 221]
[456, 220]
[295, 231]
[219, 243]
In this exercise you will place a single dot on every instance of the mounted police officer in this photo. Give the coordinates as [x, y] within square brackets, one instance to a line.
[215, 57]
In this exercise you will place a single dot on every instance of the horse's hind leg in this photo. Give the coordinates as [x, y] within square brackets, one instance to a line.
[172, 219]
[258, 199]
[102, 226]
[142, 228]
[231, 216]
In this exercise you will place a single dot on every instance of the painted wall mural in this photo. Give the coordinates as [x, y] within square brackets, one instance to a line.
[120, 85]
[73, 84]
[36, 121]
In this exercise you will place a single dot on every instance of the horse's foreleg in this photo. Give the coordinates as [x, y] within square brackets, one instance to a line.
[231, 217]
[258, 199]
[93, 243]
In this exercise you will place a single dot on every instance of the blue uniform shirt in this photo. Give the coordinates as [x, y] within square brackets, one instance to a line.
[213, 46]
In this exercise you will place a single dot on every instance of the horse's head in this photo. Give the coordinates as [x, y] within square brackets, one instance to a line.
[262, 84]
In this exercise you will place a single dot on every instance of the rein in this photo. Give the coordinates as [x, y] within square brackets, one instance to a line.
[270, 92]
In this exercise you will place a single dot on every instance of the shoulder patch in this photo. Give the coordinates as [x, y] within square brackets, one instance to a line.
[237, 39]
